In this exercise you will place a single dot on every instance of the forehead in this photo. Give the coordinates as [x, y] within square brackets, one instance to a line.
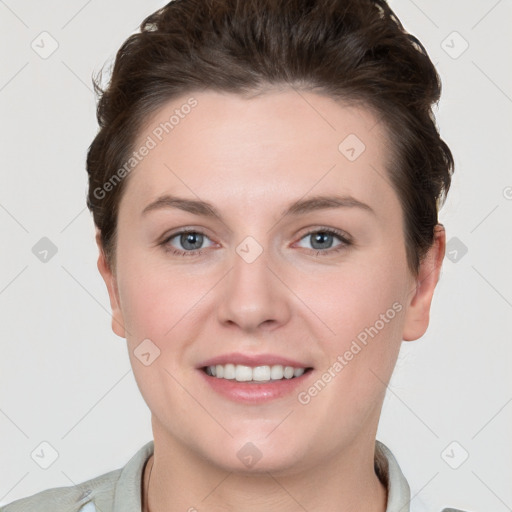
[268, 149]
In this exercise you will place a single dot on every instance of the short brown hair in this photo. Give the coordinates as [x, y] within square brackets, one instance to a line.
[354, 50]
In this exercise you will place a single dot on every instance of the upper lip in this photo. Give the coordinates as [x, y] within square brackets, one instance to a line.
[253, 360]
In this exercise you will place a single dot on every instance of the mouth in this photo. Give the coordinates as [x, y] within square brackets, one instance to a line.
[253, 379]
[255, 374]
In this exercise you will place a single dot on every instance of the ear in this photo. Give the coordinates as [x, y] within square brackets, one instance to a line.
[418, 309]
[113, 292]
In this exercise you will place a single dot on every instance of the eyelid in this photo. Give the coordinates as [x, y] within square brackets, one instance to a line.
[343, 235]
[165, 242]
[183, 230]
[345, 239]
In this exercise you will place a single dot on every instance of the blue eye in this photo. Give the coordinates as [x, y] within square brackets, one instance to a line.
[191, 241]
[322, 241]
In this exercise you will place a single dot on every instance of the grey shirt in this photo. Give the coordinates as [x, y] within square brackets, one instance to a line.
[120, 490]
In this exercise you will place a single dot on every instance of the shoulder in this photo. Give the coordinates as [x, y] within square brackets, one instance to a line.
[117, 490]
[399, 492]
[69, 499]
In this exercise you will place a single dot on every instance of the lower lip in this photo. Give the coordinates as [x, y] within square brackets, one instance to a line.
[252, 392]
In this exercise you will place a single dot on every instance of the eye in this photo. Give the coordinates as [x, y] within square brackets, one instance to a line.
[190, 240]
[322, 240]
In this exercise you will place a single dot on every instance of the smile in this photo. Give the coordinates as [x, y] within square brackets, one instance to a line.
[243, 373]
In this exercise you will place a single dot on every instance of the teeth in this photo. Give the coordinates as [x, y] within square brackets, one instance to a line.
[276, 372]
[261, 373]
[298, 372]
[243, 373]
[229, 371]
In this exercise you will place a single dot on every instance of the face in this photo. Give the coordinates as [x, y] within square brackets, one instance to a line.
[295, 256]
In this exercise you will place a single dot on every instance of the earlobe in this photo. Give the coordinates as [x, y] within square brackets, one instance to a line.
[420, 298]
[113, 292]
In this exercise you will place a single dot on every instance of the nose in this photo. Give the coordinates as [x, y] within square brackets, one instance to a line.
[253, 295]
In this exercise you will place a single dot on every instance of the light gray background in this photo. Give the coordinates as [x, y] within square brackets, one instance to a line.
[66, 378]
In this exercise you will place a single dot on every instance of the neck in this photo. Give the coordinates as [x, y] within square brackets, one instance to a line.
[178, 480]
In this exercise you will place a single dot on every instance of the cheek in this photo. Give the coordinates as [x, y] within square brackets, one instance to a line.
[353, 298]
[155, 300]
[158, 305]
[362, 314]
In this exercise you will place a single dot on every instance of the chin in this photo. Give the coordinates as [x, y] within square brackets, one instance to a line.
[244, 456]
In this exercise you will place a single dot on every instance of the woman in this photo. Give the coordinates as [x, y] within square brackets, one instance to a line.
[236, 140]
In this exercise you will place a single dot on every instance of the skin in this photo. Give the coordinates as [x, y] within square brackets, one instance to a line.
[251, 158]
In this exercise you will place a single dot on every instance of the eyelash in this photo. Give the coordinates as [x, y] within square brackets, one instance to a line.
[346, 242]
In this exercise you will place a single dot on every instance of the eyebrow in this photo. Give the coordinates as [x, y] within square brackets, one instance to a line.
[299, 207]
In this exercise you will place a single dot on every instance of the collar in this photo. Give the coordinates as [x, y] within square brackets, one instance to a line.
[128, 490]
[390, 474]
